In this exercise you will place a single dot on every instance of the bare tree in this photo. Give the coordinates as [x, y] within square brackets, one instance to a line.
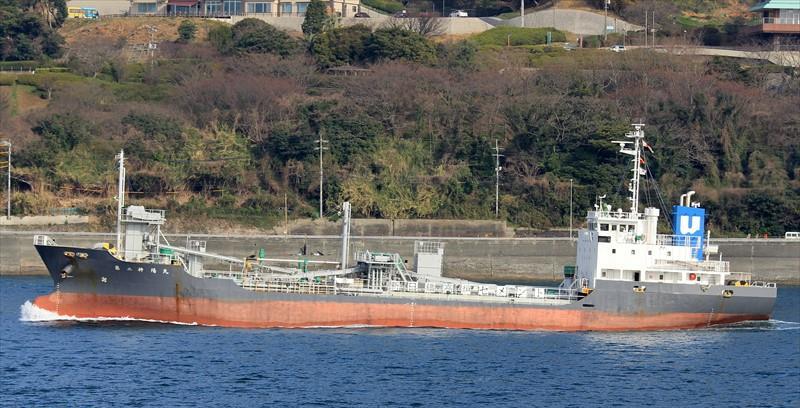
[427, 24]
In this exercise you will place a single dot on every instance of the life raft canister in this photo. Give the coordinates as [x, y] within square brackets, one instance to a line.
[692, 276]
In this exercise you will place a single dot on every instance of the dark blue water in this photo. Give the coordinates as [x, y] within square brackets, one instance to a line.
[149, 364]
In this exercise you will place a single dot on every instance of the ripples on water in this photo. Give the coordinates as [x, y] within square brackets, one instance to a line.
[101, 363]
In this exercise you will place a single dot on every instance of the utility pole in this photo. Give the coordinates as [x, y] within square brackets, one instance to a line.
[497, 169]
[605, 26]
[285, 215]
[653, 27]
[522, 13]
[321, 147]
[570, 209]
[645, 29]
[8, 174]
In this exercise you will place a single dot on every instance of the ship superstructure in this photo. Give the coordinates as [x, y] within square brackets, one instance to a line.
[626, 277]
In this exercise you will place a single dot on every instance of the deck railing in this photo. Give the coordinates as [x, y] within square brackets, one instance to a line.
[43, 240]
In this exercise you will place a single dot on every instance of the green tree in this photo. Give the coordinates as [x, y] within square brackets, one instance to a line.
[399, 43]
[340, 46]
[316, 17]
[255, 36]
[187, 31]
[221, 37]
[25, 30]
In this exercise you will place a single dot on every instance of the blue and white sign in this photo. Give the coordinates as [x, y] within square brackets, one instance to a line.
[690, 222]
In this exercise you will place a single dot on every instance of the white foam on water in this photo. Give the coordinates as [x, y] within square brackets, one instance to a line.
[29, 312]
[784, 325]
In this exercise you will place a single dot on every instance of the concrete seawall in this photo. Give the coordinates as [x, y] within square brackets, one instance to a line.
[504, 259]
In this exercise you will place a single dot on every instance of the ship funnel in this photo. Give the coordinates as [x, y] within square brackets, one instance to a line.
[689, 198]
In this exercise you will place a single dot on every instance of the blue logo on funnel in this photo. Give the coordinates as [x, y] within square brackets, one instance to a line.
[689, 222]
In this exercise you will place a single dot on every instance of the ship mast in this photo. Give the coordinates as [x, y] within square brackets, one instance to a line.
[345, 234]
[634, 148]
[120, 199]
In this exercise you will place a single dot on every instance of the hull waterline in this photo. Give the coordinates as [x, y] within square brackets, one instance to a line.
[299, 314]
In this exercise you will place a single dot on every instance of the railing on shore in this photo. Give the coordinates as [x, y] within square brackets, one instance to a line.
[201, 14]
[781, 20]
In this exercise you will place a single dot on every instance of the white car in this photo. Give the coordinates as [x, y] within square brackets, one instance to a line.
[792, 235]
[617, 48]
[459, 13]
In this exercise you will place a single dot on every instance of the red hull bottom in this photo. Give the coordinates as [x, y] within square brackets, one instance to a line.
[297, 314]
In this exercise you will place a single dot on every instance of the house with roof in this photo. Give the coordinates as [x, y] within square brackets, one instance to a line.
[778, 20]
[225, 8]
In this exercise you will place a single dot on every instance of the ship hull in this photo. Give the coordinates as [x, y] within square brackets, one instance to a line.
[100, 286]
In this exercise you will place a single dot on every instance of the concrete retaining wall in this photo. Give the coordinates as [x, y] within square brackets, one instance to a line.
[44, 220]
[506, 259]
[449, 26]
[574, 21]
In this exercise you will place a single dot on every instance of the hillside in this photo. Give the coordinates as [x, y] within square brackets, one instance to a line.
[219, 137]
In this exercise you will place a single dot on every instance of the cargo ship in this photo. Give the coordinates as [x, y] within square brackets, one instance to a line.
[626, 276]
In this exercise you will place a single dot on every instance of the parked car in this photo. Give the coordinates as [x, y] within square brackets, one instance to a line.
[792, 235]
[570, 46]
[459, 13]
[400, 14]
[361, 14]
[617, 48]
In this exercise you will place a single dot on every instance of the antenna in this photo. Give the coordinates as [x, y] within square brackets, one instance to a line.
[321, 147]
[120, 198]
[497, 169]
[633, 148]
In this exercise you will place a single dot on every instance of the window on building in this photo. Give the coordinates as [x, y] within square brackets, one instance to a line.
[613, 251]
[593, 226]
[649, 252]
[286, 8]
[213, 7]
[259, 8]
[669, 253]
[146, 7]
[301, 8]
[633, 252]
[232, 7]
[355, 9]
[613, 227]
[660, 277]
[603, 227]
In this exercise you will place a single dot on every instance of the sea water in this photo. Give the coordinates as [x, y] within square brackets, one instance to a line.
[46, 362]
